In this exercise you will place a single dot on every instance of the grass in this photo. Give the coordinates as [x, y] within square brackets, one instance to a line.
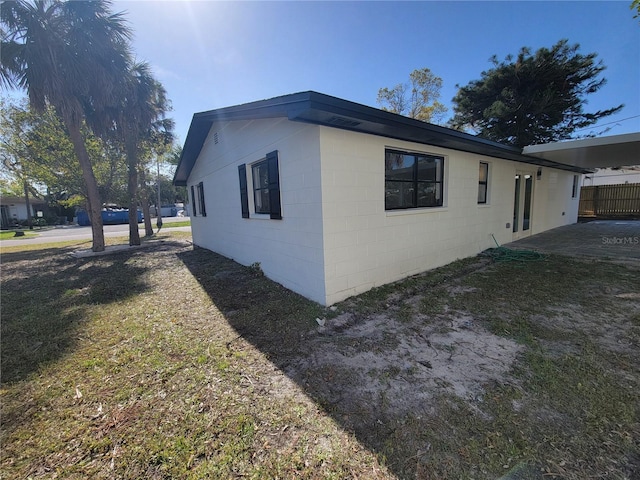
[11, 235]
[185, 223]
[170, 362]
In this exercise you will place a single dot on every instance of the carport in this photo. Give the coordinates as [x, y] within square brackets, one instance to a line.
[612, 239]
[590, 153]
[607, 239]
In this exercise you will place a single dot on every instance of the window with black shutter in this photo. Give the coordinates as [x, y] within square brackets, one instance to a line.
[244, 196]
[265, 180]
[193, 200]
[203, 209]
[274, 185]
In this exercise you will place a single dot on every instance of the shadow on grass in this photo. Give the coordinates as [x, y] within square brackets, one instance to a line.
[46, 295]
[282, 326]
[416, 428]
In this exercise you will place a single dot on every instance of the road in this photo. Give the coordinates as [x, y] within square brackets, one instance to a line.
[75, 232]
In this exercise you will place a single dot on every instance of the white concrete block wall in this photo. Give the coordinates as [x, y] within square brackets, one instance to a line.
[290, 251]
[553, 205]
[366, 246]
[336, 239]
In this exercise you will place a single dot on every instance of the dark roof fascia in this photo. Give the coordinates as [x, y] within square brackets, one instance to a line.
[320, 109]
[14, 199]
[392, 125]
[202, 121]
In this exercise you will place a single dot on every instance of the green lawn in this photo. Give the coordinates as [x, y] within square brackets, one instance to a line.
[11, 235]
[174, 362]
[186, 223]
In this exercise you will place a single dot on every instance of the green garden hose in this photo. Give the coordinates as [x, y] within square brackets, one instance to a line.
[504, 254]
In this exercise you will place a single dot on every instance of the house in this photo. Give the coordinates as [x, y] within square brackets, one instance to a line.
[333, 198]
[14, 209]
[613, 176]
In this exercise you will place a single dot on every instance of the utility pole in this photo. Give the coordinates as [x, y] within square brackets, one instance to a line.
[159, 204]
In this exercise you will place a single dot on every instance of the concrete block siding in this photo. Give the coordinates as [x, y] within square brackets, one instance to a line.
[290, 251]
[336, 239]
[366, 246]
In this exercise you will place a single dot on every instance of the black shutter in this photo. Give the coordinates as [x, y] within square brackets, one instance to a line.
[203, 210]
[274, 185]
[193, 201]
[244, 196]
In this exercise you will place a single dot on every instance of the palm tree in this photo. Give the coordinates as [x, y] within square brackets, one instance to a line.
[70, 55]
[139, 120]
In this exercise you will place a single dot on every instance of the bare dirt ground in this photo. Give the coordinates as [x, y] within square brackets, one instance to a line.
[385, 359]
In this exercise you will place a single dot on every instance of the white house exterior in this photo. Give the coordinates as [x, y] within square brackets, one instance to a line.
[333, 198]
[14, 209]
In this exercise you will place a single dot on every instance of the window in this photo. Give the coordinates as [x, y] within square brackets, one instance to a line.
[483, 180]
[260, 174]
[576, 186]
[265, 181]
[193, 201]
[203, 210]
[413, 180]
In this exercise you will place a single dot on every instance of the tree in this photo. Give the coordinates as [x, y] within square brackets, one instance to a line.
[138, 120]
[533, 99]
[72, 56]
[15, 152]
[417, 99]
[38, 143]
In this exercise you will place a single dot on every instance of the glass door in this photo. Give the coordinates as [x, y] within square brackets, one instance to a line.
[522, 204]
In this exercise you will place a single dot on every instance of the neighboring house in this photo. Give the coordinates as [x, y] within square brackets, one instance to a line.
[14, 209]
[333, 198]
[612, 176]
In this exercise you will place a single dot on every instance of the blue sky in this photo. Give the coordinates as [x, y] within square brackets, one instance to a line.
[215, 54]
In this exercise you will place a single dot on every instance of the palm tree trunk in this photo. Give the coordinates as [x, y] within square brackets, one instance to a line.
[132, 190]
[93, 195]
[144, 201]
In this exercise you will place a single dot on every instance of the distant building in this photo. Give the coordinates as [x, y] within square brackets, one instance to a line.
[612, 176]
[14, 209]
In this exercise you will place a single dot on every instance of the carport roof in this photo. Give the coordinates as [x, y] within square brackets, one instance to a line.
[320, 109]
[599, 152]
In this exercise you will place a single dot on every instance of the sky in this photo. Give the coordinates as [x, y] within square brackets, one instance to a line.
[211, 54]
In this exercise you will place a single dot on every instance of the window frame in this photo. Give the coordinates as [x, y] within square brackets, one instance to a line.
[415, 180]
[260, 164]
[484, 183]
[201, 203]
[246, 176]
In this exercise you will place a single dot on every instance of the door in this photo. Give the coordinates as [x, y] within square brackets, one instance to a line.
[522, 204]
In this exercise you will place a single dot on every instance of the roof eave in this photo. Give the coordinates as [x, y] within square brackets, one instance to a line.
[319, 109]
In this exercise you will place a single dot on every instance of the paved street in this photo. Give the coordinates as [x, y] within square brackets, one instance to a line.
[75, 232]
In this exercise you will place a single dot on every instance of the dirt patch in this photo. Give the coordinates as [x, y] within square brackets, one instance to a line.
[400, 365]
